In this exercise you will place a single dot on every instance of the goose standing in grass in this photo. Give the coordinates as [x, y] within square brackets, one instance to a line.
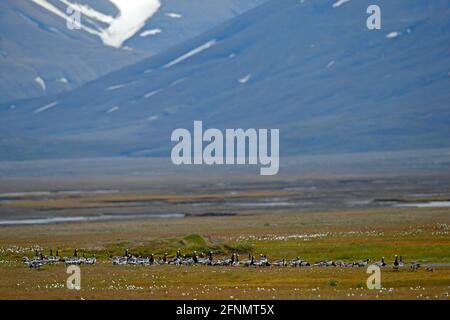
[361, 263]
[82, 259]
[162, 260]
[380, 263]
[212, 261]
[142, 261]
[304, 263]
[53, 259]
[73, 260]
[236, 261]
[295, 262]
[329, 263]
[257, 263]
[280, 263]
[91, 261]
[396, 265]
[339, 263]
[43, 259]
[177, 259]
[36, 255]
[263, 261]
[202, 260]
[227, 261]
[249, 262]
[132, 260]
[323, 263]
[320, 263]
[187, 261]
[120, 260]
[36, 264]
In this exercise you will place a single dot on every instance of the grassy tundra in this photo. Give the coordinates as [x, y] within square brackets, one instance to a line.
[418, 234]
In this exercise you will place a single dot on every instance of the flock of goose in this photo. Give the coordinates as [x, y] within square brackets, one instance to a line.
[234, 260]
[39, 259]
[200, 259]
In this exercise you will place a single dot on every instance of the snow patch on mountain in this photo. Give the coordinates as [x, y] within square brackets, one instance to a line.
[191, 53]
[113, 109]
[131, 18]
[151, 94]
[63, 80]
[392, 35]
[150, 32]
[340, 3]
[115, 87]
[41, 83]
[46, 107]
[174, 15]
[89, 12]
[152, 118]
[245, 79]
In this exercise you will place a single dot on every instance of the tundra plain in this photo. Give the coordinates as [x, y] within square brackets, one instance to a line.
[315, 218]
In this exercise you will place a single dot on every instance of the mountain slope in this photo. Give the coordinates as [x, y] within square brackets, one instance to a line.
[40, 56]
[312, 69]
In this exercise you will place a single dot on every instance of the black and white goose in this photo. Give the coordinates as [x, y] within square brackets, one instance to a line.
[91, 261]
[189, 261]
[236, 261]
[280, 263]
[72, 260]
[34, 263]
[202, 260]
[304, 263]
[361, 263]
[323, 263]
[36, 255]
[380, 263]
[227, 261]
[161, 260]
[177, 259]
[339, 263]
[263, 261]
[151, 260]
[43, 259]
[140, 260]
[249, 262]
[295, 262]
[396, 265]
[51, 257]
[120, 260]
[82, 259]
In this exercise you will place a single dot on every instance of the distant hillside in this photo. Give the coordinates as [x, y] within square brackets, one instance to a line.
[40, 56]
[312, 69]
